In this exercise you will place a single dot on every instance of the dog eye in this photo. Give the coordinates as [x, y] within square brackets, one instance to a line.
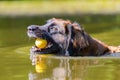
[53, 24]
[53, 28]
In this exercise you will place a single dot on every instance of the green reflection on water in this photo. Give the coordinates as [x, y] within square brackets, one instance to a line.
[14, 50]
[63, 68]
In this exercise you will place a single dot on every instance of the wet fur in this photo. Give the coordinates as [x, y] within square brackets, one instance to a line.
[72, 40]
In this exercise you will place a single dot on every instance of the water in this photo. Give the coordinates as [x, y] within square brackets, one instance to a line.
[14, 51]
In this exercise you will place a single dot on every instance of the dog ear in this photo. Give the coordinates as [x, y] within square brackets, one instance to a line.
[80, 37]
[77, 26]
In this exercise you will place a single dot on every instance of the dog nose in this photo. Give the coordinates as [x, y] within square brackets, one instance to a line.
[32, 27]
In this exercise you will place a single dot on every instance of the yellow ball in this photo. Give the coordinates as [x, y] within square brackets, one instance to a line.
[41, 43]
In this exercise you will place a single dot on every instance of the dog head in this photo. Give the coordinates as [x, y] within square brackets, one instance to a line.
[66, 34]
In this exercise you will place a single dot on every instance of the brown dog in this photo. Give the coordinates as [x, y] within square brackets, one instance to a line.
[67, 38]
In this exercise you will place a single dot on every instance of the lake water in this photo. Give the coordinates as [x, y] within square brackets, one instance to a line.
[14, 51]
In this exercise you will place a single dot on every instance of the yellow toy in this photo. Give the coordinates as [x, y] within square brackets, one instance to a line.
[41, 43]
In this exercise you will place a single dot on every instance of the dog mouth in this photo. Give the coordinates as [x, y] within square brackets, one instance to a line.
[41, 36]
[48, 39]
[51, 47]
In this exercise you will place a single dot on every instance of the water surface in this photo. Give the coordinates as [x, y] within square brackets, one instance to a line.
[14, 51]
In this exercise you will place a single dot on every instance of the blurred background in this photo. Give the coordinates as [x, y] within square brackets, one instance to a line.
[95, 16]
[100, 18]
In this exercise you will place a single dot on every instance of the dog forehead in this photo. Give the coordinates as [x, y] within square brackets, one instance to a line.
[58, 22]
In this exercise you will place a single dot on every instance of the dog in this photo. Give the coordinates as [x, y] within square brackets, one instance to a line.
[68, 39]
